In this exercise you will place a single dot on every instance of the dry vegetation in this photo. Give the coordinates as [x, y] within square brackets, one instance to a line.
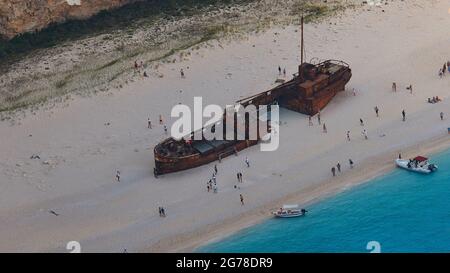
[103, 61]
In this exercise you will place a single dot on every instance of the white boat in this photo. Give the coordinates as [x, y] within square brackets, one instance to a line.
[418, 164]
[288, 211]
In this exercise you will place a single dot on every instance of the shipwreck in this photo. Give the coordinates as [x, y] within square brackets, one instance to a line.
[309, 91]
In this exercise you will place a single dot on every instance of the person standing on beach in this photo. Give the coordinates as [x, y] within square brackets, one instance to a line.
[442, 115]
[394, 87]
[348, 135]
[324, 128]
[318, 117]
[279, 70]
[284, 72]
[149, 124]
[404, 114]
[361, 122]
[338, 166]
[350, 161]
[242, 199]
[376, 110]
[165, 129]
[364, 132]
[333, 171]
[444, 68]
[310, 121]
[215, 168]
[247, 162]
[182, 73]
[118, 176]
[160, 119]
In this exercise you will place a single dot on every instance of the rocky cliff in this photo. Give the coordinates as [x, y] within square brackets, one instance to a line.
[19, 16]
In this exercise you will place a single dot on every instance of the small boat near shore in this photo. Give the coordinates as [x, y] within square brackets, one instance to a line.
[289, 211]
[418, 164]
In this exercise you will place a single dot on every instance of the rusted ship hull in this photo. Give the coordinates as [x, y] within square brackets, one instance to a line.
[311, 105]
[166, 164]
[308, 92]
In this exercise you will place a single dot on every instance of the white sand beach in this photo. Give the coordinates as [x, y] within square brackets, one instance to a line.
[81, 143]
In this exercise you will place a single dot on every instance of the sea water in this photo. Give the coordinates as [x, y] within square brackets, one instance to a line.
[397, 212]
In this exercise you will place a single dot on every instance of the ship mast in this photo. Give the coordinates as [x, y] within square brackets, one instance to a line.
[301, 44]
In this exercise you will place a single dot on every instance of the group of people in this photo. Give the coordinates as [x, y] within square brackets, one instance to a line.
[138, 66]
[212, 183]
[434, 100]
[239, 177]
[364, 131]
[280, 71]
[361, 122]
[239, 174]
[161, 122]
[338, 167]
[162, 212]
[409, 87]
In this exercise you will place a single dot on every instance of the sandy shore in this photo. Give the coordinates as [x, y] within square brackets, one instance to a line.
[83, 142]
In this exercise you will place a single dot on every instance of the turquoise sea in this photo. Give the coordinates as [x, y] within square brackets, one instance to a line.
[401, 211]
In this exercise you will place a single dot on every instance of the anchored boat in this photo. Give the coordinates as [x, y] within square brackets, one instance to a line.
[418, 164]
[289, 211]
